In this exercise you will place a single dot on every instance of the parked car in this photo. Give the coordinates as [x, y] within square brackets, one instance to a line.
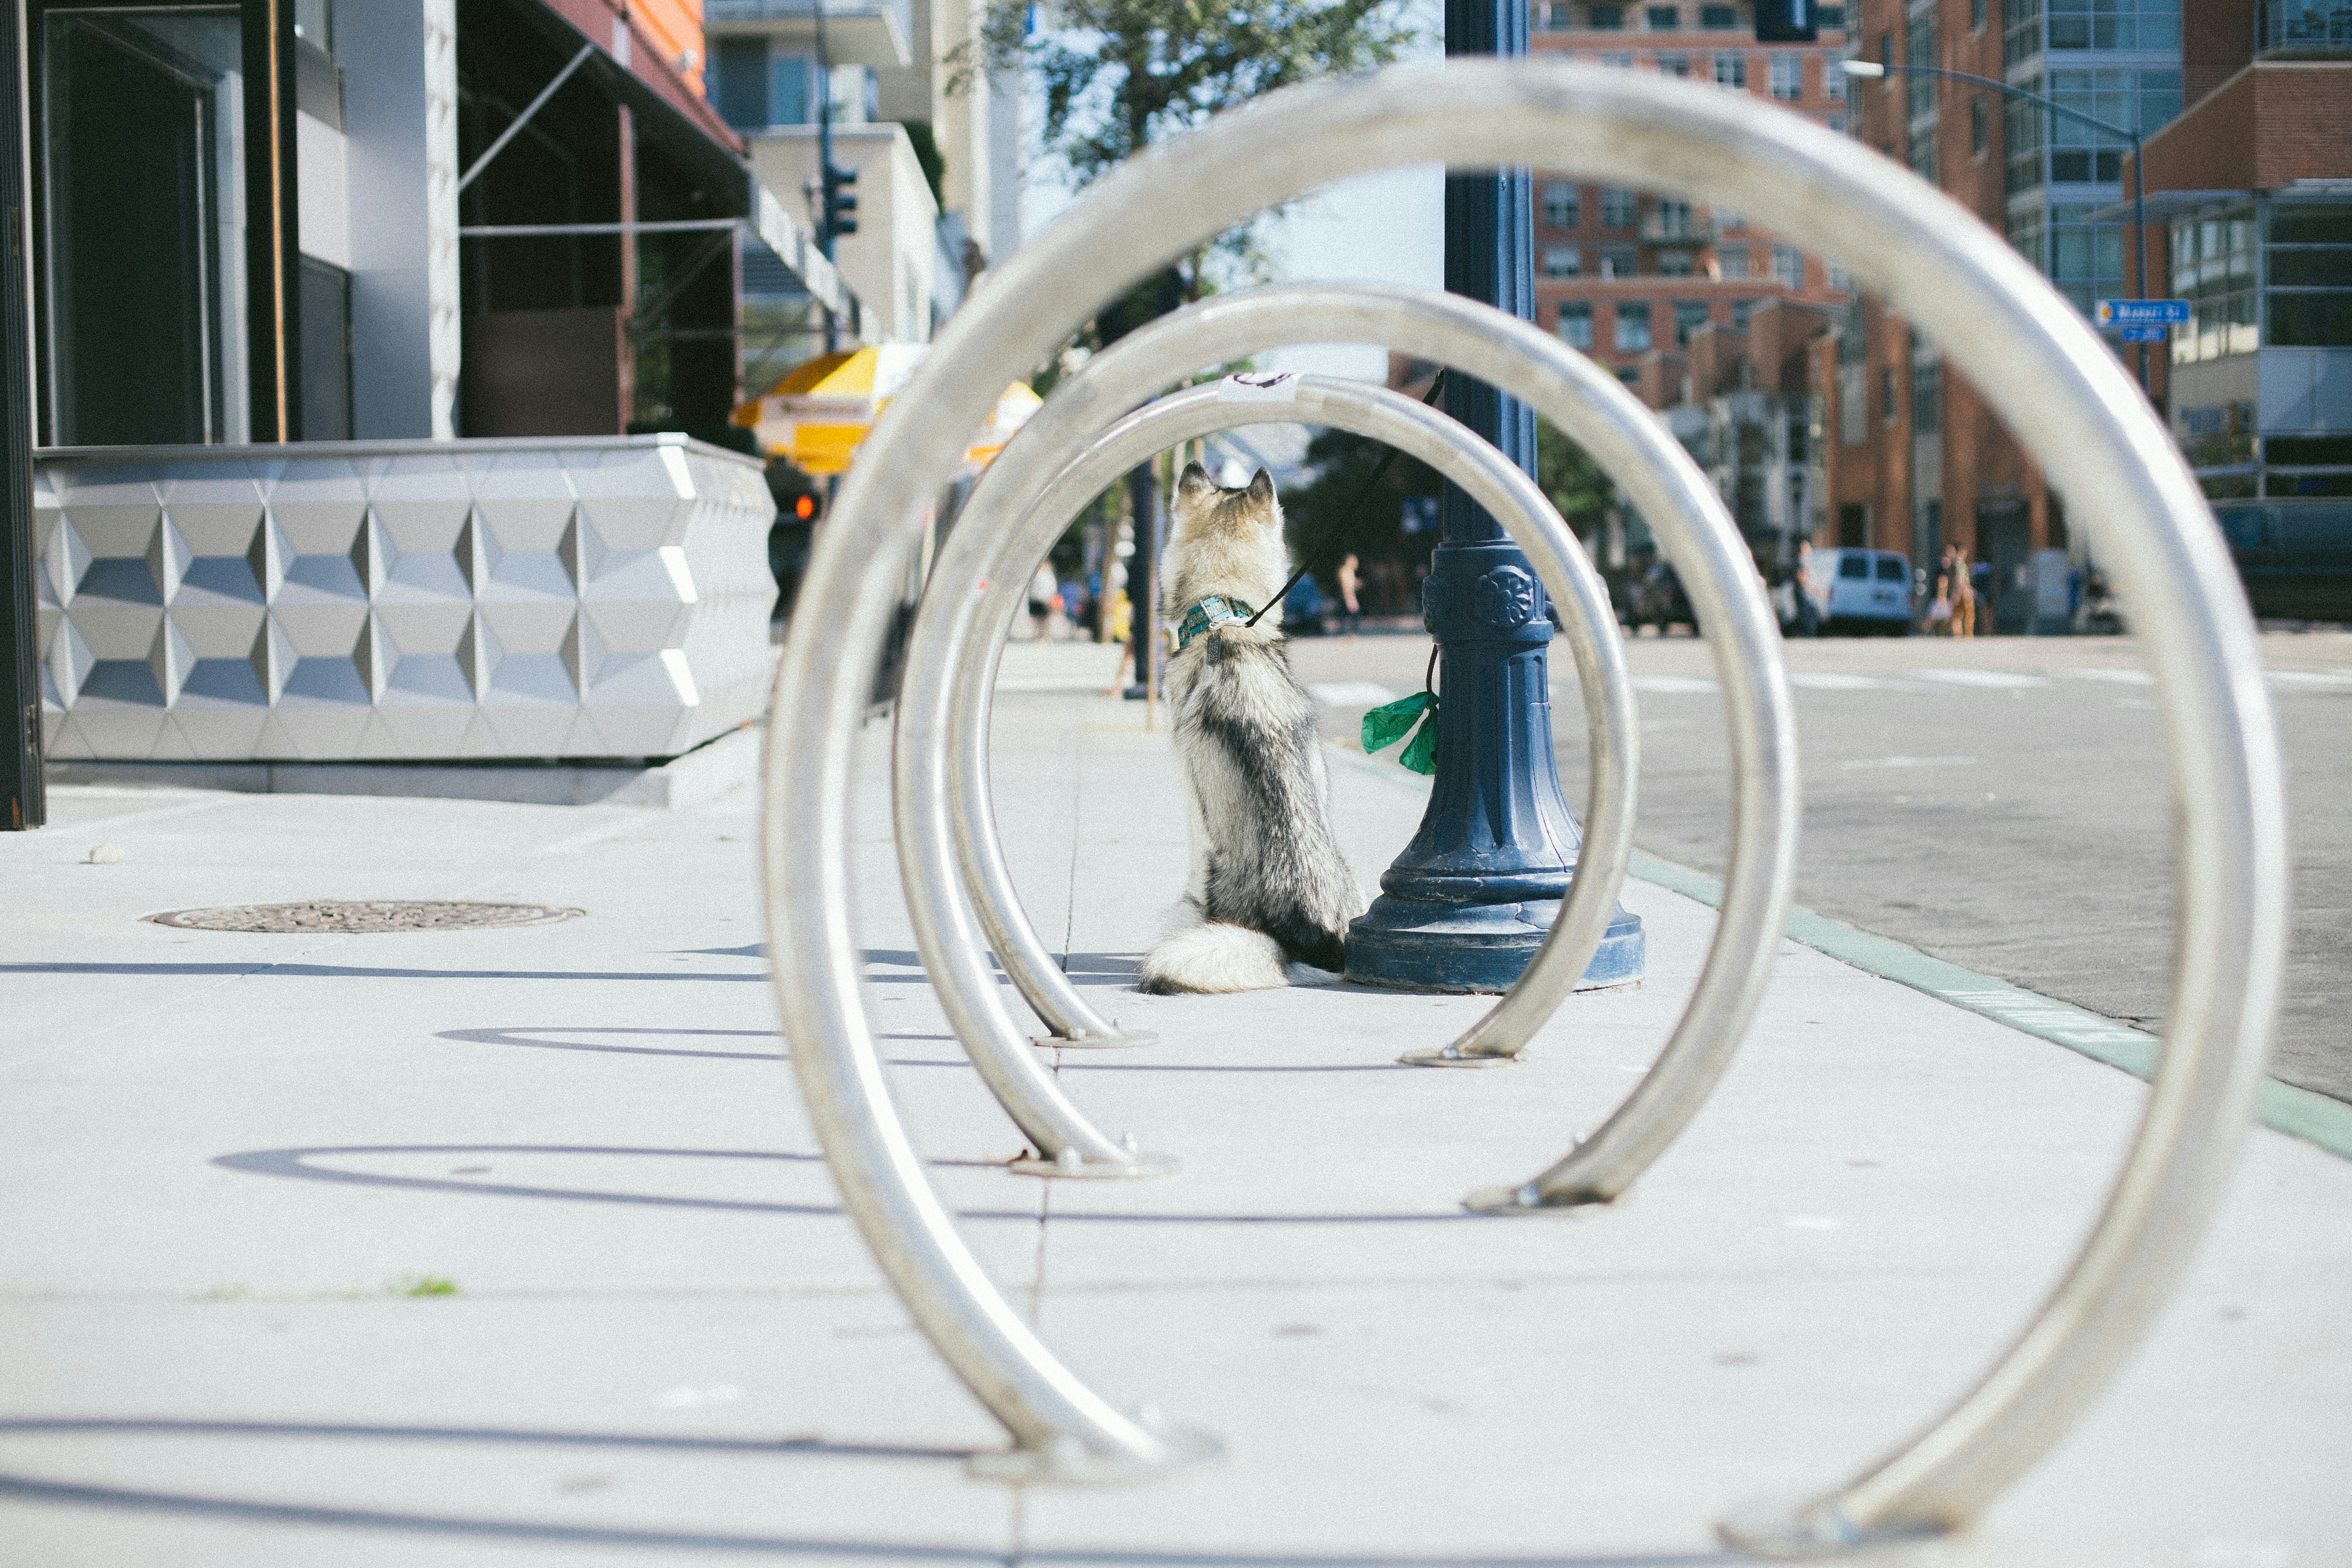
[1861, 592]
[1658, 600]
[1303, 609]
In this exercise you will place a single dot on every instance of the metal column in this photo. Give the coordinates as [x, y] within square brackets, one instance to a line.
[21, 797]
[1466, 904]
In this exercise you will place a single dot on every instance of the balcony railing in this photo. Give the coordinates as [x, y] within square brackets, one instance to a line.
[1666, 228]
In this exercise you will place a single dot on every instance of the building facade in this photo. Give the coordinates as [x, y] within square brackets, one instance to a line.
[1628, 276]
[2252, 190]
[1915, 460]
[928, 159]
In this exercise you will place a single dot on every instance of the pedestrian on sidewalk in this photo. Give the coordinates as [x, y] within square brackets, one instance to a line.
[1809, 615]
[1352, 611]
[1964, 595]
[1043, 590]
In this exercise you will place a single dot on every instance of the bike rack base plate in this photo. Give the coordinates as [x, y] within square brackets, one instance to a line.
[1069, 1463]
[1141, 1164]
[1814, 1529]
[1121, 1041]
[1525, 1199]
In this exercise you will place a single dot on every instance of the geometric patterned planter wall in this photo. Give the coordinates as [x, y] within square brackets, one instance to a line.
[338, 601]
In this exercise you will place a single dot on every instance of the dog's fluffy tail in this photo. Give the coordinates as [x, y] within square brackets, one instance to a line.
[1215, 956]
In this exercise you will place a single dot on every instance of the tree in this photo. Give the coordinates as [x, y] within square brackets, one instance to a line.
[1120, 75]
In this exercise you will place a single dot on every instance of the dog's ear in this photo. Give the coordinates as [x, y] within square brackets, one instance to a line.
[1195, 482]
[1261, 486]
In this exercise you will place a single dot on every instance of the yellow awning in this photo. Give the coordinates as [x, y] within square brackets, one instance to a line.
[821, 410]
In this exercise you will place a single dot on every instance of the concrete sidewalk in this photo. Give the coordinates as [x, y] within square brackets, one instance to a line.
[511, 1247]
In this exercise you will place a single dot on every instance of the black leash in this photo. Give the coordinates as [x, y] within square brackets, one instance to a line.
[1358, 500]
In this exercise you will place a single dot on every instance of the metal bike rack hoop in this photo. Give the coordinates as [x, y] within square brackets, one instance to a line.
[2000, 323]
[1631, 446]
[953, 648]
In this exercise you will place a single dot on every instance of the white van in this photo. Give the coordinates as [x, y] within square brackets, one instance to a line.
[1860, 591]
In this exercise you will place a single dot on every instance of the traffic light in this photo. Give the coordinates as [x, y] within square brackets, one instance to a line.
[1786, 22]
[840, 201]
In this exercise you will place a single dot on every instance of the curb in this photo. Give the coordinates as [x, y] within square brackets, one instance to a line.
[2282, 1106]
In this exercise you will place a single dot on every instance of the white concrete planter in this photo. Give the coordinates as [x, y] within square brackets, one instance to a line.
[336, 601]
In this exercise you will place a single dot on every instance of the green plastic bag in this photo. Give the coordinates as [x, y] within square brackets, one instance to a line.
[1386, 725]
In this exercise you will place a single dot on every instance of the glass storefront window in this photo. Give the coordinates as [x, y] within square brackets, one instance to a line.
[142, 245]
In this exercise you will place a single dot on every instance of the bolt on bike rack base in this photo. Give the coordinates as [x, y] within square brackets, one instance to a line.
[2043, 372]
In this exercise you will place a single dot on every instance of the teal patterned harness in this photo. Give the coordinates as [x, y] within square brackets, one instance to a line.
[1216, 610]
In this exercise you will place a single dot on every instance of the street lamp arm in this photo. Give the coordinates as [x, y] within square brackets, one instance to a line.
[1878, 69]
[1882, 68]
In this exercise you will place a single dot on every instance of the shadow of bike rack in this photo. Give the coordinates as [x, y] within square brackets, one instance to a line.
[2049, 377]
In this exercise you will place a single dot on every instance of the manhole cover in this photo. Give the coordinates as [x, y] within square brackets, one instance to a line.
[357, 915]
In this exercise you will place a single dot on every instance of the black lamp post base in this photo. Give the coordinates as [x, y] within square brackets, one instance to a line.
[1414, 944]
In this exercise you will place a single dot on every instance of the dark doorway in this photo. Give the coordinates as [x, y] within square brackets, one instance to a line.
[1853, 527]
[133, 108]
[2005, 542]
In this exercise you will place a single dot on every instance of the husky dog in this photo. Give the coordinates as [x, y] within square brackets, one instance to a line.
[1268, 886]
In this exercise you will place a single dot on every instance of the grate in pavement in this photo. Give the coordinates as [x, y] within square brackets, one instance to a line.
[334, 916]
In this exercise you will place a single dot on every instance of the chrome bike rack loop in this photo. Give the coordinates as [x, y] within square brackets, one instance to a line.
[934, 830]
[939, 827]
[1630, 444]
[2046, 373]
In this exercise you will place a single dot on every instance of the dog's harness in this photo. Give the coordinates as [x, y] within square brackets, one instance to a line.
[1216, 610]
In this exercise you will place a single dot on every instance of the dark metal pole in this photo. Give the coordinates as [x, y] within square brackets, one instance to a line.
[1143, 582]
[1469, 901]
[2140, 225]
[22, 802]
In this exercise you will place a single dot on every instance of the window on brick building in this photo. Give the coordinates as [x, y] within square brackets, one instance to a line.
[1980, 129]
[1741, 310]
[1731, 71]
[1575, 325]
[1617, 261]
[1788, 77]
[1664, 18]
[1556, 17]
[1731, 265]
[1632, 327]
[1690, 315]
[1789, 265]
[1927, 398]
[1616, 207]
[1607, 18]
[1675, 264]
[1674, 65]
[1562, 261]
[1560, 205]
[1719, 18]
[1976, 16]
[1833, 80]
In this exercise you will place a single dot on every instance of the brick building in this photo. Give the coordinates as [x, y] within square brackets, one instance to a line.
[1630, 276]
[2252, 190]
[1913, 458]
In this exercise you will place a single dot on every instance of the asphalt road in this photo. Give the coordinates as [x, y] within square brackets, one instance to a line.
[2000, 803]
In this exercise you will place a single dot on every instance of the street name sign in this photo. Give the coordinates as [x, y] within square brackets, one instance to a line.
[2141, 312]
